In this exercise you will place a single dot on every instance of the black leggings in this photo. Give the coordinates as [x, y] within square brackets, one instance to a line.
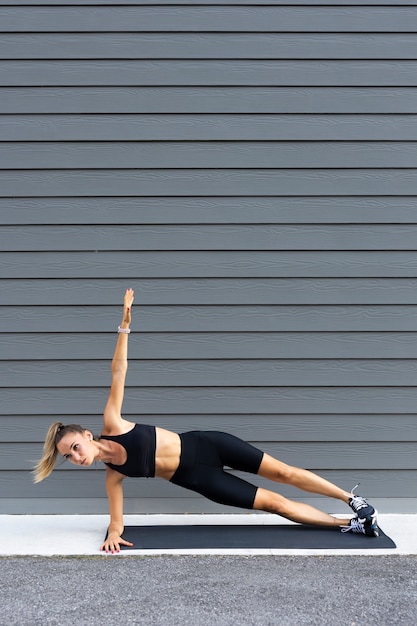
[203, 457]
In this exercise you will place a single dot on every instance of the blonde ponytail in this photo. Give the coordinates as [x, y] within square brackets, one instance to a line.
[50, 452]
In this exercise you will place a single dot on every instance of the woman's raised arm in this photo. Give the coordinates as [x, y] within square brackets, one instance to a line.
[113, 409]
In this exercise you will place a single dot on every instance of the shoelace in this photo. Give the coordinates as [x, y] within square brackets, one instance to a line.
[356, 526]
[358, 503]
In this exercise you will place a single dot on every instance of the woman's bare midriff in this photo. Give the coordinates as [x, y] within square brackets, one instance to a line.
[167, 454]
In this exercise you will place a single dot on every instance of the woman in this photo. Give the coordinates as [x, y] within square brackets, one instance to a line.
[194, 460]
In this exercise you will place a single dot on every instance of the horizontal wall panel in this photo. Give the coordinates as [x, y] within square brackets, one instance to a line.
[127, 45]
[343, 456]
[208, 18]
[63, 484]
[224, 99]
[265, 291]
[202, 127]
[220, 372]
[215, 237]
[211, 154]
[254, 427]
[177, 504]
[267, 72]
[249, 345]
[348, 3]
[182, 182]
[147, 400]
[209, 210]
[251, 263]
[347, 318]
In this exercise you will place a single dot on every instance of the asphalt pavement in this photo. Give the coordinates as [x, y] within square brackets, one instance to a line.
[209, 590]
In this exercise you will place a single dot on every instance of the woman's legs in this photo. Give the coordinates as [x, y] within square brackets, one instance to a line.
[272, 502]
[302, 479]
[240, 455]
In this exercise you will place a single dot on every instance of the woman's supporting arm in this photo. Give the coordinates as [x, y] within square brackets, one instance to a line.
[114, 488]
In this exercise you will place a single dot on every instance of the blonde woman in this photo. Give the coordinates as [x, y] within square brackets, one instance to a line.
[194, 460]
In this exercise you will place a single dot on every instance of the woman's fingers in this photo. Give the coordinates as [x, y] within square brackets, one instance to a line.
[129, 296]
[113, 545]
[128, 299]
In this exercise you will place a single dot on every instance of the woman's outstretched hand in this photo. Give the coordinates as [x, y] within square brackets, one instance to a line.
[127, 305]
[113, 543]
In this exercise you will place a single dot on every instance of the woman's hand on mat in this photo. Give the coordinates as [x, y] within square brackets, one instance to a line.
[113, 543]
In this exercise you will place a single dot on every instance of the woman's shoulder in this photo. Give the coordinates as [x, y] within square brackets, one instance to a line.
[121, 427]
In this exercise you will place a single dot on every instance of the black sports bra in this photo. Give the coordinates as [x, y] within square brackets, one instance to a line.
[140, 445]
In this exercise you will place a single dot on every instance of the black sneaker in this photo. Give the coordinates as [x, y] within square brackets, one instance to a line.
[366, 526]
[360, 506]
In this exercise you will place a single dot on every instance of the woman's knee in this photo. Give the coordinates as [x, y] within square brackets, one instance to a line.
[270, 502]
[276, 470]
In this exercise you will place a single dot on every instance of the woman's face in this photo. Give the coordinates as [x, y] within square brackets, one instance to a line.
[78, 448]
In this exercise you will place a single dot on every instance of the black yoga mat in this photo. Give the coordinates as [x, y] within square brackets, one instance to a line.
[249, 536]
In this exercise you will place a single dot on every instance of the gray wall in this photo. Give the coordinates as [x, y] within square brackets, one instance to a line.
[251, 172]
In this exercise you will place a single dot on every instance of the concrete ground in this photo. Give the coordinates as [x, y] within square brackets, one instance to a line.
[76, 535]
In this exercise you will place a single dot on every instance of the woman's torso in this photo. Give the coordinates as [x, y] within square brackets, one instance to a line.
[167, 453]
[143, 450]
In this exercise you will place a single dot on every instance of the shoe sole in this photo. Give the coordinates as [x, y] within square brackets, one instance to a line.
[374, 526]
